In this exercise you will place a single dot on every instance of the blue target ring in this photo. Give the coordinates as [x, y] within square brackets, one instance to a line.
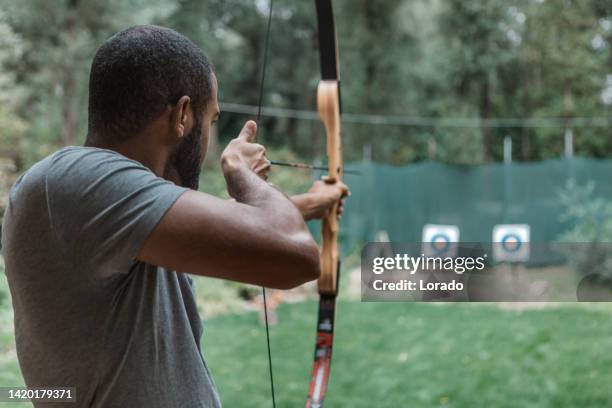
[438, 239]
[511, 246]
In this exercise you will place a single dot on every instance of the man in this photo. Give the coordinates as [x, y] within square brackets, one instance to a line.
[93, 235]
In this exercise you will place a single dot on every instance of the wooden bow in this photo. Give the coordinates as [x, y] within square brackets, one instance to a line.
[328, 105]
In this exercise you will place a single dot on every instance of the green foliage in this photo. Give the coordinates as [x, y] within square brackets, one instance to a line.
[12, 128]
[53, 45]
[590, 236]
[10, 375]
[4, 293]
[441, 60]
[590, 215]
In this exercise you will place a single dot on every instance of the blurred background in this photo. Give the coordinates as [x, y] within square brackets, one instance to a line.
[465, 114]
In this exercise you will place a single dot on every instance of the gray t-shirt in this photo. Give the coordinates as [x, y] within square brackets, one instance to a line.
[87, 314]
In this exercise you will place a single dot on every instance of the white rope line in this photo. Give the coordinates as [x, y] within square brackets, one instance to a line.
[409, 121]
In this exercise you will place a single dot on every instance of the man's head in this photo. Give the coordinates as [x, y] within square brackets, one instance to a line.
[154, 84]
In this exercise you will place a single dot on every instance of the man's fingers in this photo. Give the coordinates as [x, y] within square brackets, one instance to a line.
[328, 180]
[258, 149]
[344, 188]
[263, 168]
[341, 190]
[248, 132]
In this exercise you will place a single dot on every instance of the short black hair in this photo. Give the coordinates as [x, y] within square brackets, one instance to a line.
[137, 73]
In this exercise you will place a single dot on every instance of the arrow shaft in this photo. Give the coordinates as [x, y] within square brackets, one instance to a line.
[307, 166]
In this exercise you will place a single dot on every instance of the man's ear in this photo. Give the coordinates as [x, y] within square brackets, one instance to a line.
[181, 117]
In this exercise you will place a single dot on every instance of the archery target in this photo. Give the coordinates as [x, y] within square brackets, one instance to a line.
[440, 240]
[511, 242]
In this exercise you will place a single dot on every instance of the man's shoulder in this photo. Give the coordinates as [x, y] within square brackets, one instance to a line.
[70, 171]
[79, 157]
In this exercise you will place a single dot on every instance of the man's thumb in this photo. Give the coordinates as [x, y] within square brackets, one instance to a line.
[248, 131]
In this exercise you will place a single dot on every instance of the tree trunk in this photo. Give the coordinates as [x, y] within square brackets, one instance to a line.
[69, 114]
[485, 113]
[68, 83]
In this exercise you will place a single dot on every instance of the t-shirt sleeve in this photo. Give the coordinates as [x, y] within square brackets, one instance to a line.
[103, 206]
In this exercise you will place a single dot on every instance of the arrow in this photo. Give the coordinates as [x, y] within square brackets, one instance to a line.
[309, 166]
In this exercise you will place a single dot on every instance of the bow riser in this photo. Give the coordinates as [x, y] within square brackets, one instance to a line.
[329, 111]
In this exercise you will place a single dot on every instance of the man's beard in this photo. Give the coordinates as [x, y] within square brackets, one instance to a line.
[186, 158]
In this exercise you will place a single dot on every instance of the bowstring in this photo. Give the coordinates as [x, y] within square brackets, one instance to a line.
[265, 63]
[259, 106]
[263, 291]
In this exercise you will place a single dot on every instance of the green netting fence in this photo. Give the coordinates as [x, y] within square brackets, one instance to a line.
[401, 200]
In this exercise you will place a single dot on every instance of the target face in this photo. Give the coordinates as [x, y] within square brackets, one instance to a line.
[440, 240]
[511, 242]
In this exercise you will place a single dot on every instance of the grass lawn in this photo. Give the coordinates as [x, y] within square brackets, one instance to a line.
[422, 355]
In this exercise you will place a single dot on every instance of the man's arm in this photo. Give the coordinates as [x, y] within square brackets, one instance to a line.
[259, 239]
